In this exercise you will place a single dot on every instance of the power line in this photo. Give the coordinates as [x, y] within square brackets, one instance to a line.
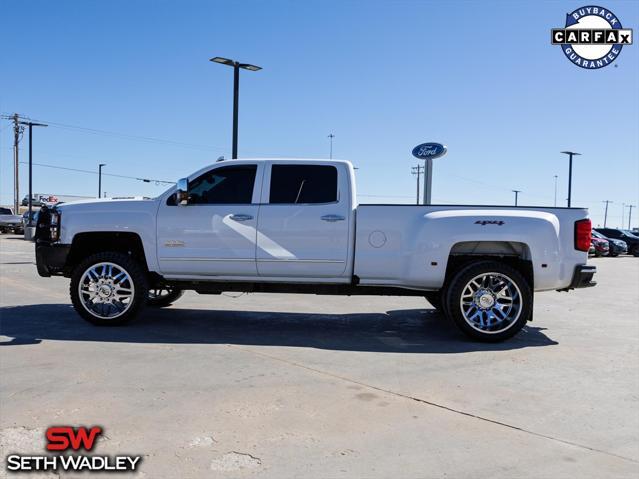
[145, 180]
[127, 136]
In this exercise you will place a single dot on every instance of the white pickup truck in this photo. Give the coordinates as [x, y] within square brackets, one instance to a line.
[294, 226]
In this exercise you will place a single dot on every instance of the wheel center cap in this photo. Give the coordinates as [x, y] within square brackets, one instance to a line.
[105, 291]
[484, 299]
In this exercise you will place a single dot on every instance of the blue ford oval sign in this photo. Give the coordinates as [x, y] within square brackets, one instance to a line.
[428, 151]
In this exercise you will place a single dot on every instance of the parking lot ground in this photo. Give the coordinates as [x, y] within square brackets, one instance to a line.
[287, 386]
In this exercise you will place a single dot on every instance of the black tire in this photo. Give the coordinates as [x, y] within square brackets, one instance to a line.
[136, 276]
[518, 310]
[613, 255]
[163, 296]
[635, 251]
[434, 298]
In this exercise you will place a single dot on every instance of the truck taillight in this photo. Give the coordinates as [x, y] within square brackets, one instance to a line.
[583, 234]
[54, 228]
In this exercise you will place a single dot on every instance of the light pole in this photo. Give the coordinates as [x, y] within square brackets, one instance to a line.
[236, 90]
[630, 207]
[570, 154]
[516, 195]
[100, 179]
[30, 124]
[555, 191]
[330, 137]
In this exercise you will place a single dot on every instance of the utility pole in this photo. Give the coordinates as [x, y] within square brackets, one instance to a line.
[556, 191]
[630, 207]
[330, 137]
[17, 132]
[516, 195]
[100, 179]
[623, 213]
[606, 213]
[417, 170]
[31, 124]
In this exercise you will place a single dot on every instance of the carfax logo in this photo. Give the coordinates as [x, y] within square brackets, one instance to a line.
[592, 38]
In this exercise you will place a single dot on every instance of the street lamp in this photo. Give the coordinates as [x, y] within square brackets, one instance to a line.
[236, 90]
[30, 124]
[570, 154]
[100, 179]
[516, 195]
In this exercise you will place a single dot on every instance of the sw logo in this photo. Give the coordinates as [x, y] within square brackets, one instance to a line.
[592, 38]
[63, 439]
[489, 222]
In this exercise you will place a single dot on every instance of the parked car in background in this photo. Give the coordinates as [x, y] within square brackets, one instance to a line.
[34, 218]
[602, 247]
[617, 247]
[615, 233]
[10, 222]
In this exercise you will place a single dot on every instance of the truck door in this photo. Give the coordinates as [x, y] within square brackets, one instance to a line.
[303, 228]
[215, 233]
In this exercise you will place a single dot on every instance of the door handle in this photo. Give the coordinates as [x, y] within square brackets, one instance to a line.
[240, 217]
[333, 218]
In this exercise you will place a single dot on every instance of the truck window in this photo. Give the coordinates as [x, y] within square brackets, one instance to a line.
[292, 184]
[225, 185]
[5, 211]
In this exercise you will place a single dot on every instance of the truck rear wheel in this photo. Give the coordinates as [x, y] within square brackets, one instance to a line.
[489, 301]
[108, 289]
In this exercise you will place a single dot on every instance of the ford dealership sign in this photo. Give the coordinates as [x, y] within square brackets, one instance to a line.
[429, 151]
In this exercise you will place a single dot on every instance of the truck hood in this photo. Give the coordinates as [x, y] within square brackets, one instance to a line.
[100, 202]
[106, 207]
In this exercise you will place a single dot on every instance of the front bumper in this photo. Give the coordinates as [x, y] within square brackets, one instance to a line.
[51, 258]
[582, 277]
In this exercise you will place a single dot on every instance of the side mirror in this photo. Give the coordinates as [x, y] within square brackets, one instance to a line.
[182, 192]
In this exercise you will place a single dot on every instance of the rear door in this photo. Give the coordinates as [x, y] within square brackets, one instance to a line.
[303, 227]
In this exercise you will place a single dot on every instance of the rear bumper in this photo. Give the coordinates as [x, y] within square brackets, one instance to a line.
[582, 277]
[51, 258]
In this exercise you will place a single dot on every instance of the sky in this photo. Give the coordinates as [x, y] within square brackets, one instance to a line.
[129, 84]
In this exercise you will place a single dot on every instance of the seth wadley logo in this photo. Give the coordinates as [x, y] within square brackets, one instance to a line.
[65, 439]
[592, 38]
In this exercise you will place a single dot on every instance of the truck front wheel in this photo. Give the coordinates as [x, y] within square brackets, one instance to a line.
[108, 289]
[160, 297]
[489, 301]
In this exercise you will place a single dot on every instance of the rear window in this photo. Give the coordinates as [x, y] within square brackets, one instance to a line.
[291, 184]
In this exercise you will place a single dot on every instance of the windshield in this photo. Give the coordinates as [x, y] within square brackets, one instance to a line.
[597, 234]
[630, 233]
[5, 211]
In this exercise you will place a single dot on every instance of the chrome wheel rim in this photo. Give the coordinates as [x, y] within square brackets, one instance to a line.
[106, 290]
[491, 303]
